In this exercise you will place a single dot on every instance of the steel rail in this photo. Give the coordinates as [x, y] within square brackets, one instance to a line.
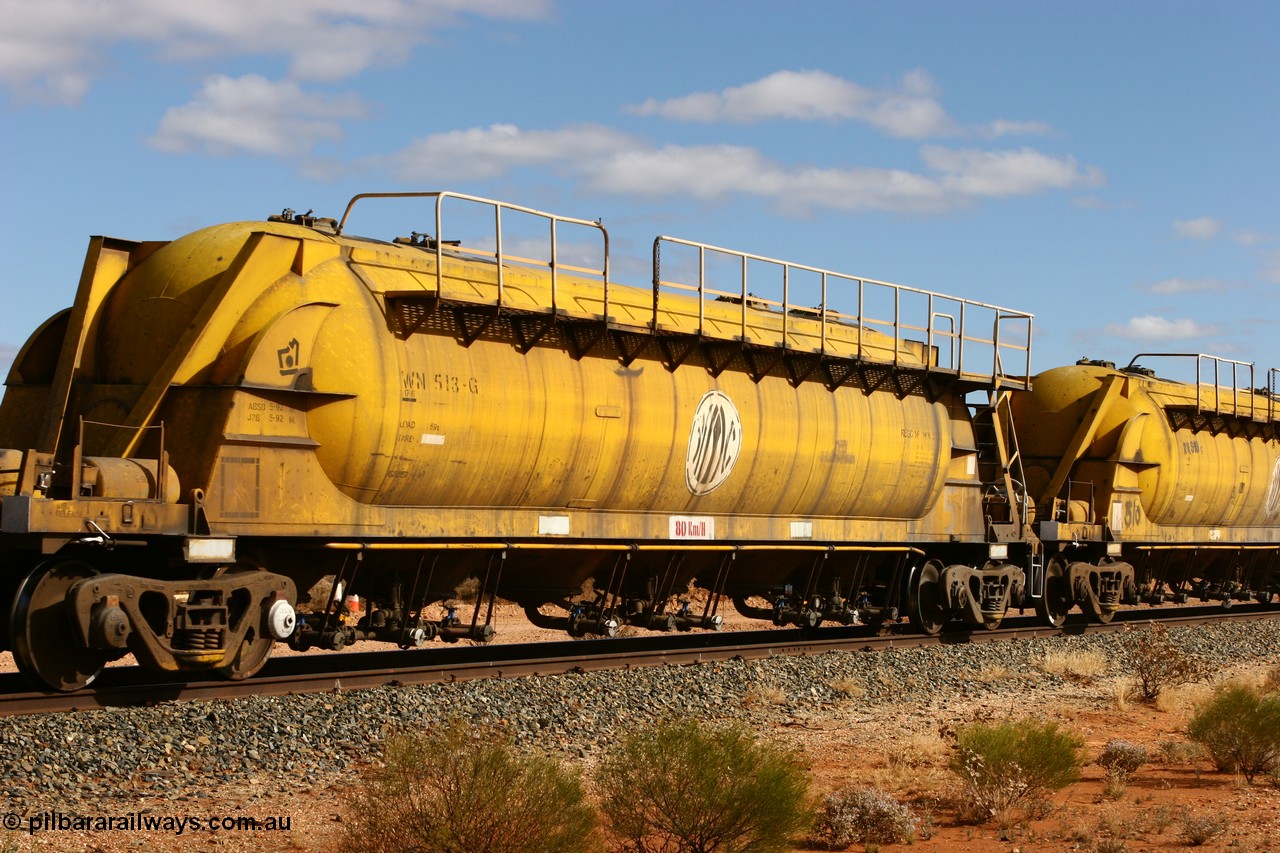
[131, 686]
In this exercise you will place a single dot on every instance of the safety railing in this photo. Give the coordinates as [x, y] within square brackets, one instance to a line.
[1273, 376]
[805, 305]
[1222, 385]
[499, 253]
[975, 341]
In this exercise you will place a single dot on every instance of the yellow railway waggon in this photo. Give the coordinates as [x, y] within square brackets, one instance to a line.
[1178, 479]
[221, 422]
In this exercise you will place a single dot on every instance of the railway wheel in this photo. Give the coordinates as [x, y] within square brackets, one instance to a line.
[926, 606]
[40, 629]
[254, 649]
[248, 659]
[1056, 603]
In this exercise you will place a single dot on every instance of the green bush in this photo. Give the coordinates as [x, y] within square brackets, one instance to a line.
[462, 789]
[1012, 763]
[1241, 729]
[684, 787]
[865, 815]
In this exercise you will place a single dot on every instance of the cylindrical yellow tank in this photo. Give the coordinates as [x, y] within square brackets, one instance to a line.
[424, 420]
[486, 426]
[153, 305]
[436, 423]
[1187, 473]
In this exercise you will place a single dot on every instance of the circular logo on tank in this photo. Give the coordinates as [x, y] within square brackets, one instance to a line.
[715, 439]
[1273, 493]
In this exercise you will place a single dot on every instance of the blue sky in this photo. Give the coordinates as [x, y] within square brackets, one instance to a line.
[1109, 167]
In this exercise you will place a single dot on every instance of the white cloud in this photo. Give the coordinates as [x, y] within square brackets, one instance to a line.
[480, 153]
[1003, 127]
[254, 115]
[1246, 237]
[1270, 271]
[1204, 228]
[606, 160]
[1151, 328]
[718, 172]
[1174, 286]
[971, 172]
[705, 172]
[50, 49]
[910, 110]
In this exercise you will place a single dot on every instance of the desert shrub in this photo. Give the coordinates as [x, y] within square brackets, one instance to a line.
[1012, 763]
[1200, 828]
[1157, 662]
[1271, 680]
[1160, 818]
[853, 687]
[865, 815]
[912, 752]
[1110, 845]
[1120, 758]
[992, 674]
[467, 591]
[460, 789]
[689, 788]
[1083, 665]
[1178, 752]
[765, 695]
[1241, 729]
[317, 595]
[1120, 824]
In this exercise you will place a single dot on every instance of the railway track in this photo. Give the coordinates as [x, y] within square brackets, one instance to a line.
[131, 686]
